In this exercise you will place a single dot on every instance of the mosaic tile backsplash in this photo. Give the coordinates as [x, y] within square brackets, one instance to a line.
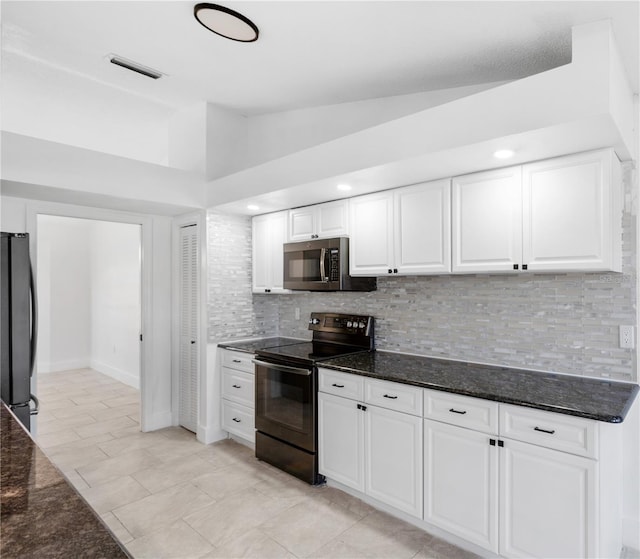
[561, 323]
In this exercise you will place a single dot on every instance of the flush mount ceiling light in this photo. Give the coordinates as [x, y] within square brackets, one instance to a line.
[503, 154]
[344, 187]
[253, 207]
[226, 22]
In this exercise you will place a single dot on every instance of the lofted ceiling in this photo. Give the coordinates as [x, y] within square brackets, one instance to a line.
[309, 53]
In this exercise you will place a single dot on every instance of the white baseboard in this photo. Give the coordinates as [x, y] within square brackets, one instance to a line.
[631, 532]
[208, 436]
[117, 374]
[57, 366]
[157, 421]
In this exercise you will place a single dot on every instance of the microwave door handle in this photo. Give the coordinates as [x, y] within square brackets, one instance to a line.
[323, 255]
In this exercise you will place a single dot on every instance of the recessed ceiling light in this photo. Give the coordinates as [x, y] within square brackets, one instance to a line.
[503, 153]
[226, 22]
[253, 207]
[344, 187]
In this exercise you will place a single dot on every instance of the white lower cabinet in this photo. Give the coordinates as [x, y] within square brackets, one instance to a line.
[461, 483]
[369, 448]
[238, 394]
[547, 503]
[515, 481]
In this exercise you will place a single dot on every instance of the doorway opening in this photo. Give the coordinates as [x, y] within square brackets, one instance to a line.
[89, 283]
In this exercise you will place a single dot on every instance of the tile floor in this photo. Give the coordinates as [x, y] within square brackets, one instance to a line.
[164, 494]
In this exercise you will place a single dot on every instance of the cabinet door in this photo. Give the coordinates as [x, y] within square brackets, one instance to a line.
[487, 221]
[393, 462]
[269, 235]
[461, 483]
[371, 244]
[302, 226]
[572, 213]
[423, 228]
[340, 440]
[547, 502]
[278, 237]
[333, 219]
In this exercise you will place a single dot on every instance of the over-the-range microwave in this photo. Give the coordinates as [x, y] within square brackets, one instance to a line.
[322, 265]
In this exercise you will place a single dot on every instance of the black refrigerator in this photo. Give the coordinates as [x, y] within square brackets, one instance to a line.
[19, 325]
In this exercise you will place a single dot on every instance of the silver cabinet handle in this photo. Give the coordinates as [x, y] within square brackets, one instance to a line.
[338, 385]
[236, 386]
[237, 420]
[390, 397]
[237, 361]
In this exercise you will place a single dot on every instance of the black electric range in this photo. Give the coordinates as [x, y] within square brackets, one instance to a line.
[286, 390]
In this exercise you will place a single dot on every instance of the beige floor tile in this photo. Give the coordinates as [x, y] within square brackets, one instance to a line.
[254, 544]
[176, 433]
[74, 458]
[79, 444]
[232, 517]
[378, 535]
[119, 411]
[122, 400]
[75, 479]
[116, 527]
[309, 525]
[440, 549]
[51, 404]
[165, 449]
[221, 483]
[57, 438]
[114, 494]
[76, 410]
[176, 541]
[106, 426]
[118, 466]
[56, 425]
[163, 508]
[133, 441]
[172, 472]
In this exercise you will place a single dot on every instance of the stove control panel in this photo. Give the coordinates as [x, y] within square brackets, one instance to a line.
[341, 323]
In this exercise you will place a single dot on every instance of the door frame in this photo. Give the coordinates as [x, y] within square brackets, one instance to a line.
[36, 208]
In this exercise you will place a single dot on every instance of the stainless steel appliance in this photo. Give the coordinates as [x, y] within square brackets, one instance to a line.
[18, 327]
[322, 265]
[286, 390]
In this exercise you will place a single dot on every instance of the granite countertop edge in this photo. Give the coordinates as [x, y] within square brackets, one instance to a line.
[622, 405]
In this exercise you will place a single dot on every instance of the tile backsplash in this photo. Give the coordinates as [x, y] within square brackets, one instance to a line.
[553, 322]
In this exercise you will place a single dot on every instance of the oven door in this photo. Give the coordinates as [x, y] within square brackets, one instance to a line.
[286, 403]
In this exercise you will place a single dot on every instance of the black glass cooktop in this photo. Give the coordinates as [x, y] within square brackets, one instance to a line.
[307, 352]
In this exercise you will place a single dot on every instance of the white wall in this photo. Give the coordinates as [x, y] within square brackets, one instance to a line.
[115, 300]
[64, 290]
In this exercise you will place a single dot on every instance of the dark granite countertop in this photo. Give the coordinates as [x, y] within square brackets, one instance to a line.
[251, 346]
[601, 400]
[42, 514]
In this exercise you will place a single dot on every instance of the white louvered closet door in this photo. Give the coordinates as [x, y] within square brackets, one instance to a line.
[189, 320]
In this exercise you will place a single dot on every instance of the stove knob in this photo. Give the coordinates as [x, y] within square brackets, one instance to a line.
[314, 321]
[349, 324]
[362, 325]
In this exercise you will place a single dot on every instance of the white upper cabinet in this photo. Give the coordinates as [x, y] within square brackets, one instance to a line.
[487, 221]
[319, 221]
[269, 234]
[402, 231]
[572, 213]
[557, 215]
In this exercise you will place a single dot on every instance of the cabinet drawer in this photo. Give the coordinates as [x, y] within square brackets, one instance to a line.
[393, 396]
[238, 420]
[465, 411]
[238, 360]
[551, 430]
[238, 386]
[341, 384]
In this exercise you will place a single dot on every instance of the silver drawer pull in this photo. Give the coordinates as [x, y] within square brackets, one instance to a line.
[236, 420]
[461, 412]
[236, 386]
[338, 385]
[237, 360]
[390, 397]
[548, 432]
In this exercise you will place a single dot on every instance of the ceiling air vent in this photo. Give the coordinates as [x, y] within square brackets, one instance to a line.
[134, 67]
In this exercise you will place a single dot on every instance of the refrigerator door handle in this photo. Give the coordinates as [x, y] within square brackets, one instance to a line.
[34, 320]
[36, 409]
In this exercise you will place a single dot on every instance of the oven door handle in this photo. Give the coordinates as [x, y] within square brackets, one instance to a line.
[286, 368]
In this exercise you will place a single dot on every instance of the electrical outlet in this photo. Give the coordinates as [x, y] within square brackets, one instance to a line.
[297, 313]
[626, 337]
